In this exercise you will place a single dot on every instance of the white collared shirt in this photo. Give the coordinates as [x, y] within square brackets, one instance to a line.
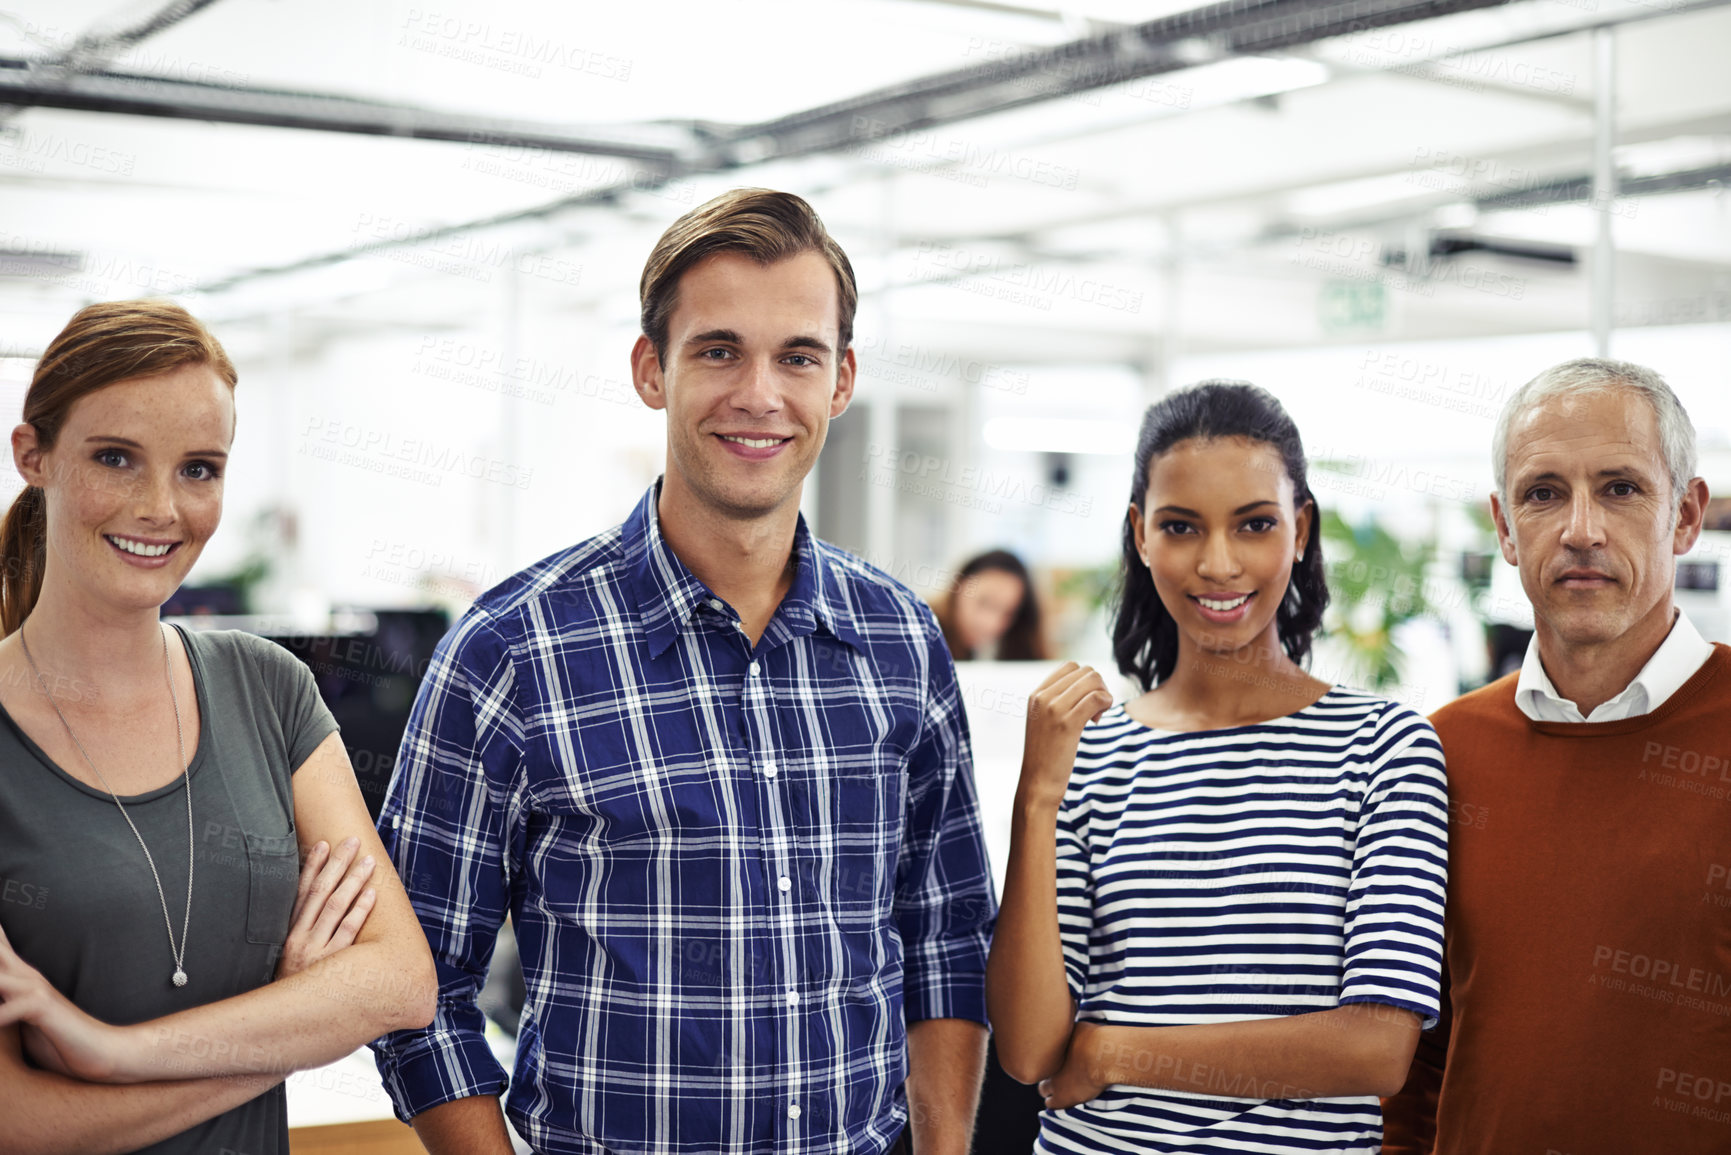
[1675, 661]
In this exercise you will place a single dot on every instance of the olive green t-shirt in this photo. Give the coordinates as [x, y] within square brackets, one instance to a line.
[79, 903]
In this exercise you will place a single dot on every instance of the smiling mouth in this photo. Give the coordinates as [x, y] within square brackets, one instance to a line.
[139, 548]
[754, 442]
[1221, 605]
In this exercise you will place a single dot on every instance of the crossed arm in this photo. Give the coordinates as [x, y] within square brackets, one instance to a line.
[48, 1113]
[1357, 1049]
[364, 969]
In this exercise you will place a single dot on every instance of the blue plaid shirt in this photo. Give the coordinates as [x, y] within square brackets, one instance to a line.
[734, 872]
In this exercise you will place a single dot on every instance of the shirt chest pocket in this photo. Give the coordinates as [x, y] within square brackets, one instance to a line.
[250, 831]
[854, 822]
[248, 847]
[273, 874]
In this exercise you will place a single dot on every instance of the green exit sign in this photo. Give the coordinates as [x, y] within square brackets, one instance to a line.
[1354, 304]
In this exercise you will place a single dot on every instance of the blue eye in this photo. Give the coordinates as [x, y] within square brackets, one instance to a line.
[110, 457]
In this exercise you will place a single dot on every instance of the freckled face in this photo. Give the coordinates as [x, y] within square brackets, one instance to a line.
[133, 485]
[1219, 534]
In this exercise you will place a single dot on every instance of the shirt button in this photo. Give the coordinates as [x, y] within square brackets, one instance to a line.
[754, 669]
[715, 604]
[793, 998]
[784, 882]
[769, 770]
[793, 1110]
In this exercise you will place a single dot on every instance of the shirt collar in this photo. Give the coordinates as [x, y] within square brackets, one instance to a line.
[668, 593]
[1673, 663]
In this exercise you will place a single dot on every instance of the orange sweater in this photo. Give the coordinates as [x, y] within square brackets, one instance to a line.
[1587, 976]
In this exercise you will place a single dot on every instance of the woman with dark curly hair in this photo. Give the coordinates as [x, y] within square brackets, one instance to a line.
[1222, 920]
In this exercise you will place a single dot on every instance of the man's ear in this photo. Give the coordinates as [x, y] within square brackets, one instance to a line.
[845, 373]
[646, 375]
[1505, 539]
[1691, 516]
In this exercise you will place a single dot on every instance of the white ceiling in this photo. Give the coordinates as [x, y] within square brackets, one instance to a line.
[1225, 206]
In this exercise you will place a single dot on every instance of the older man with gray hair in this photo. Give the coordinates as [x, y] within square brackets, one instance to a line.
[1587, 955]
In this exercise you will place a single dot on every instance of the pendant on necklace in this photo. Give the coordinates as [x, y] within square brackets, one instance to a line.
[179, 977]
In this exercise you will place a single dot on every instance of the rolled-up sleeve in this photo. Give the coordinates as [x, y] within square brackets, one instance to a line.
[445, 825]
[944, 901]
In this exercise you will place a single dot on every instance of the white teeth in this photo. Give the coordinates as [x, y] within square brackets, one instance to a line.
[755, 443]
[140, 548]
[1222, 607]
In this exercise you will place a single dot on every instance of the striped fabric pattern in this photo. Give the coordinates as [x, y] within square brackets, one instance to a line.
[733, 871]
[1273, 869]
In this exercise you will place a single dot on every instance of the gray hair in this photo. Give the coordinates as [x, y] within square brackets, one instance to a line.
[1588, 375]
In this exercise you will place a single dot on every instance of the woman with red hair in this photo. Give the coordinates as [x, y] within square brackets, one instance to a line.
[166, 958]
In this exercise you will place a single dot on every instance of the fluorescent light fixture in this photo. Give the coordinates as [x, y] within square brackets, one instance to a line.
[1368, 192]
[1059, 435]
[1193, 50]
[1459, 215]
[1676, 154]
[1246, 77]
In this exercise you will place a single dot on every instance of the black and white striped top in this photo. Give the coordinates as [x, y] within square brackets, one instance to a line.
[1287, 866]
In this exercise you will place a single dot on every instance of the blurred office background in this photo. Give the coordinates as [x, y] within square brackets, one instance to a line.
[419, 229]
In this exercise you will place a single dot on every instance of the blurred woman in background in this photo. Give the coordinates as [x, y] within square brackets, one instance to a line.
[161, 969]
[991, 611]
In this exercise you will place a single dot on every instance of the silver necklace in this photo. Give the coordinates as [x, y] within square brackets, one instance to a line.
[179, 952]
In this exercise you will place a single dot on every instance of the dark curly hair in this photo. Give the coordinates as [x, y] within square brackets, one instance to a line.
[1144, 635]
